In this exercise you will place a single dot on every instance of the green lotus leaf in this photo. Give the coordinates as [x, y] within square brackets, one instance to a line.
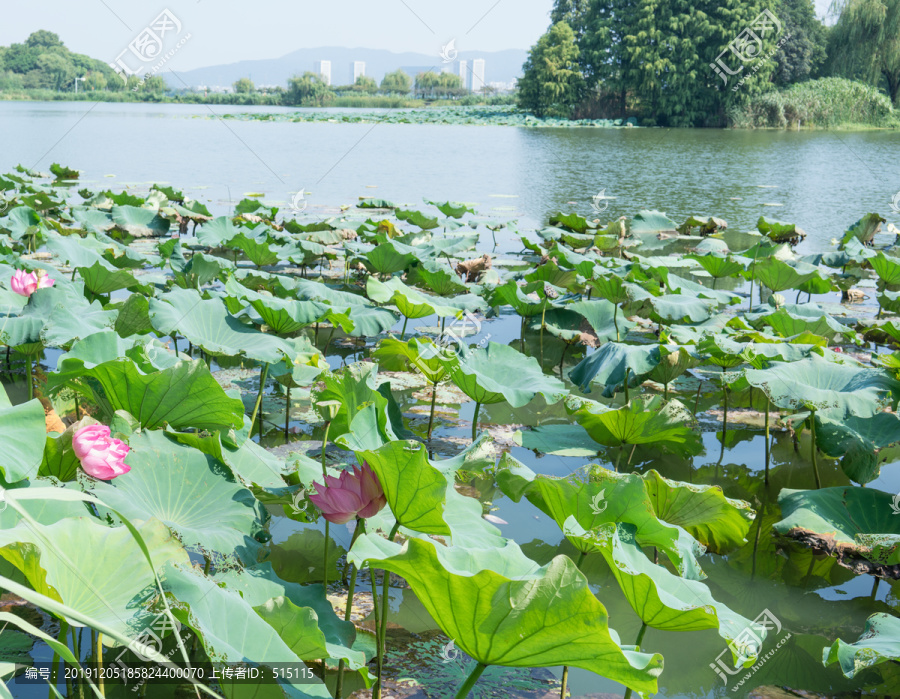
[817, 383]
[789, 323]
[451, 244]
[138, 222]
[182, 396]
[706, 226]
[651, 222]
[134, 316]
[602, 316]
[511, 294]
[386, 258]
[610, 499]
[189, 491]
[452, 209]
[113, 580]
[689, 288]
[551, 273]
[778, 231]
[779, 276]
[608, 365]
[642, 421]
[441, 281]
[527, 617]
[879, 643]
[572, 222]
[257, 249]
[197, 271]
[217, 232]
[421, 353]
[863, 230]
[22, 433]
[857, 440]
[679, 308]
[661, 599]
[227, 625]
[417, 218]
[65, 325]
[99, 279]
[887, 268]
[499, 373]
[411, 302]
[19, 220]
[858, 525]
[719, 523]
[559, 440]
[673, 362]
[373, 203]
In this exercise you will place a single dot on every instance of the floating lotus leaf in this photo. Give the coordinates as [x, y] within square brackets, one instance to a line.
[857, 440]
[602, 316]
[858, 525]
[527, 616]
[559, 440]
[879, 643]
[256, 248]
[779, 276]
[217, 232]
[573, 222]
[642, 421]
[411, 302]
[499, 373]
[778, 231]
[511, 294]
[863, 230]
[652, 222]
[138, 222]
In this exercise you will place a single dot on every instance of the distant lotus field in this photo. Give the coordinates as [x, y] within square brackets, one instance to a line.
[184, 390]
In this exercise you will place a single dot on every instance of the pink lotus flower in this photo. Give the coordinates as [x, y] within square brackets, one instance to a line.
[353, 494]
[101, 456]
[26, 283]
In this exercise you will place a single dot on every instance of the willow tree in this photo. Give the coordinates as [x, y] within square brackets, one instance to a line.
[552, 83]
[865, 43]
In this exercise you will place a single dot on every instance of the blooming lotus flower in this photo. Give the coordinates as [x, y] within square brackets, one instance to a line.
[26, 283]
[353, 494]
[101, 456]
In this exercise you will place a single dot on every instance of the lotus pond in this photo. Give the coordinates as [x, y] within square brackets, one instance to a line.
[420, 452]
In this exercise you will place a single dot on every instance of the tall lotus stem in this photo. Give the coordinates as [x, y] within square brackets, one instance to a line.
[327, 523]
[615, 319]
[403, 332]
[376, 690]
[262, 384]
[431, 416]
[287, 413]
[625, 384]
[637, 643]
[724, 407]
[522, 336]
[28, 378]
[360, 528]
[385, 584]
[475, 421]
[470, 681]
[767, 441]
[100, 663]
[812, 423]
[543, 316]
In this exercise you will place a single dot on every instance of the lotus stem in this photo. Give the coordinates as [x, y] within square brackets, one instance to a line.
[562, 359]
[470, 681]
[767, 441]
[637, 642]
[385, 584]
[174, 343]
[724, 408]
[522, 336]
[475, 421]
[262, 384]
[697, 401]
[376, 690]
[615, 319]
[360, 528]
[565, 681]
[63, 630]
[581, 557]
[543, 316]
[287, 414]
[28, 378]
[812, 423]
[431, 416]
[666, 390]
[327, 523]
[99, 647]
[403, 332]
[625, 384]
[618, 457]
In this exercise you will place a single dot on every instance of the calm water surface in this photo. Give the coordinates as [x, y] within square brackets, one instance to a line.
[821, 181]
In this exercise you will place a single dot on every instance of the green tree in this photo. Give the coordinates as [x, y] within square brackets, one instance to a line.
[58, 71]
[575, 13]
[802, 56]
[43, 40]
[95, 81]
[244, 86]
[308, 89]
[865, 44]
[365, 84]
[552, 84]
[397, 82]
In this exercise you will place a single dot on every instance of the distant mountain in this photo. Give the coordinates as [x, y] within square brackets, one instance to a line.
[500, 66]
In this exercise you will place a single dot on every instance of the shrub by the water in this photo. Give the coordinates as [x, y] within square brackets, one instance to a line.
[825, 103]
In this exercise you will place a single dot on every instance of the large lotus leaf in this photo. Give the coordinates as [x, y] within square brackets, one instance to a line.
[788, 324]
[419, 352]
[107, 346]
[679, 308]
[191, 492]
[19, 220]
[227, 625]
[387, 259]
[689, 288]
[559, 440]
[817, 383]
[256, 249]
[642, 421]
[619, 498]
[719, 266]
[567, 325]
[199, 270]
[411, 302]
[368, 320]
[719, 523]
[674, 361]
[604, 319]
[437, 278]
[75, 251]
[134, 316]
[722, 351]
[863, 230]
[651, 222]
[778, 231]
[453, 209]
[89, 566]
[779, 276]
[207, 324]
[499, 373]
[879, 643]
[217, 232]
[887, 268]
[417, 218]
[99, 279]
[68, 324]
[608, 365]
[92, 220]
[573, 222]
[858, 440]
[511, 294]
[22, 434]
[853, 523]
[287, 316]
[185, 395]
[527, 617]
[139, 222]
[661, 599]
[551, 273]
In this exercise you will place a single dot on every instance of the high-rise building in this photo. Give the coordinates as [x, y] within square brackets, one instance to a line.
[358, 69]
[477, 75]
[323, 68]
[464, 73]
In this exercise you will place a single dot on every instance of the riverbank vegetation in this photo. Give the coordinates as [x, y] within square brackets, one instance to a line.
[737, 63]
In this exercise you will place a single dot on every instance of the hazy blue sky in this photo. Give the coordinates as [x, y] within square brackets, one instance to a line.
[225, 31]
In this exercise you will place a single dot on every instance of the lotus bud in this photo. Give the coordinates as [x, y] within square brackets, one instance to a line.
[352, 494]
[328, 409]
[776, 300]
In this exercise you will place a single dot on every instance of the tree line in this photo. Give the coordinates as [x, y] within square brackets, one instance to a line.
[691, 62]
